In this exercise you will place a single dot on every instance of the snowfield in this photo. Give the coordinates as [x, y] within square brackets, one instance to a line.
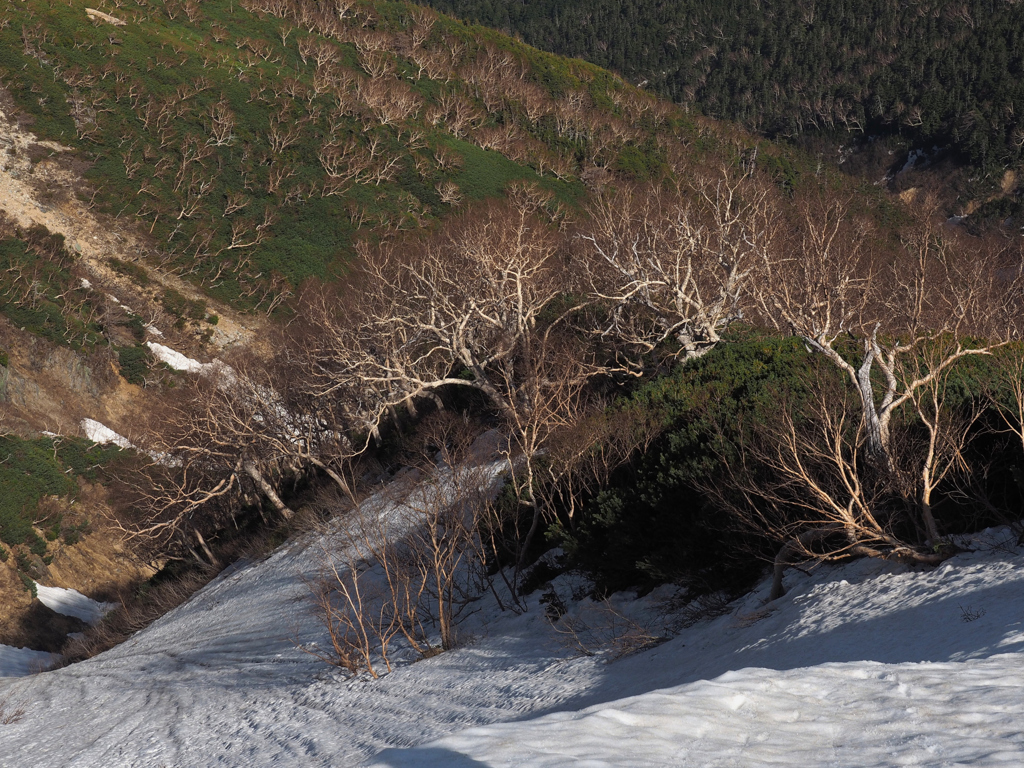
[868, 664]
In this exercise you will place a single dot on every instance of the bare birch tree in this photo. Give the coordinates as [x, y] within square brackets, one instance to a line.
[1007, 391]
[231, 436]
[672, 266]
[871, 313]
[894, 323]
[457, 311]
[482, 308]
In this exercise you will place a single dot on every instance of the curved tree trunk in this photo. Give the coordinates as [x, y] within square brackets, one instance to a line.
[792, 547]
[253, 471]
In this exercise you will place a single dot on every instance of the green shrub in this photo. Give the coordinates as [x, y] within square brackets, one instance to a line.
[28, 471]
[28, 584]
[35, 286]
[182, 307]
[36, 545]
[128, 269]
[174, 302]
[653, 524]
[642, 162]
[134, 363]
[137, 328]
[33, 469]
[73, 534]
[84, 457]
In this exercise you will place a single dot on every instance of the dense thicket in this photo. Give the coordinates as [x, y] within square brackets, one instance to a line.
[940, 73]
[665, 515]
[654, 523]
[849, 424]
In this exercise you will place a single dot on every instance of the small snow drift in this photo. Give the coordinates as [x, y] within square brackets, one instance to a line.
[176, 360]
[70, 602]
[100, 433]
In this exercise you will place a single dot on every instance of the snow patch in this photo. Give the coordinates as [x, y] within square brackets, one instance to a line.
[100, 433]
[70, 602]
[175, 359]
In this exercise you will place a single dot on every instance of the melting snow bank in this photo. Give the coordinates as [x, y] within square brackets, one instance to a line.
[100, 433]
[867, 664]
[224, 373]
[18, 662]
[70, 602]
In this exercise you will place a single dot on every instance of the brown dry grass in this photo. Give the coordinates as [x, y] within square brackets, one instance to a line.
[10, 712]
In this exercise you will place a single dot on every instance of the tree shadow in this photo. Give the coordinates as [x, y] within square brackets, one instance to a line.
[423, 757]
[41, 629]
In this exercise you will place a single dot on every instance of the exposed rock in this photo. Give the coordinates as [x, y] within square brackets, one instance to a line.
[95, 15]
[37, 568]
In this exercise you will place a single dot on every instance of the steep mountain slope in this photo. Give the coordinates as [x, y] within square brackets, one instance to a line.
[257, 142]
[225, 679]
[171, 173]
[287, 185]
[71, 333]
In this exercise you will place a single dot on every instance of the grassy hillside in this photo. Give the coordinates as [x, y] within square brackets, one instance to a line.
[255, 142]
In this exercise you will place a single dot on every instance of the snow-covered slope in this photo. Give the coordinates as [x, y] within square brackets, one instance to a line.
[867, 664]
[852, 714]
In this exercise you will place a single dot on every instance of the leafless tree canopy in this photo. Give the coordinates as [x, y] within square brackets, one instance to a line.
[871, 311]
[232, 435]
[409, 559]
[894, 322]
[674, 264]
[459, 310]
